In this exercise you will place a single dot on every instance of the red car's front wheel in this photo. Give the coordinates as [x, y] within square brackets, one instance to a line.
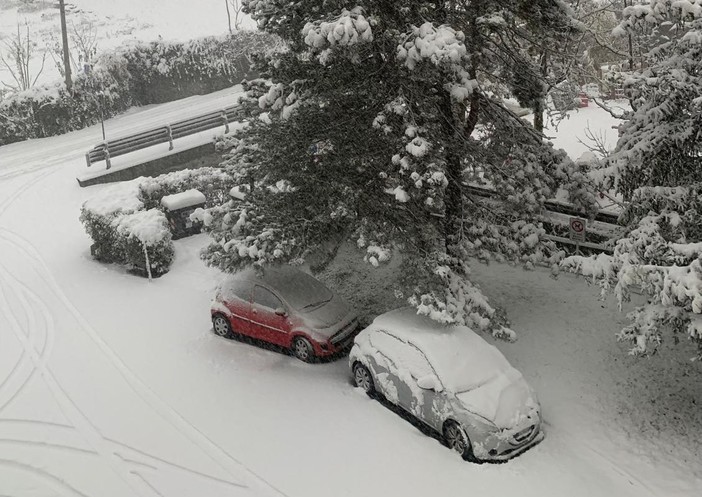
[302, 349]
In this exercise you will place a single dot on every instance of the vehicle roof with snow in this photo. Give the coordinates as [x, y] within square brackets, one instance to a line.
[295, 286]
[462, 359]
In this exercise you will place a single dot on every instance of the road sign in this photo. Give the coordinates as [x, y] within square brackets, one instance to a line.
[577, 229]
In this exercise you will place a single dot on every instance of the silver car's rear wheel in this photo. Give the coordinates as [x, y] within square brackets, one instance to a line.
[302, 349]
[221, 326]
[362, 378]
[456, 439]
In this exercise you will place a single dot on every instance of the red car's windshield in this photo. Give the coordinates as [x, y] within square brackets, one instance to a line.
[302, 290]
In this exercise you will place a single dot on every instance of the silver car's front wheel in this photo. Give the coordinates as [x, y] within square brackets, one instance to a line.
[456, 439]
[362, 378]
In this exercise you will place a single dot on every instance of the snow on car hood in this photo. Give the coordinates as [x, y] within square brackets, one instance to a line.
[505, 400]
[328, 316]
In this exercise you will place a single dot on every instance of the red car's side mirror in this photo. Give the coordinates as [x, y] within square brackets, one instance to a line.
[281, 312]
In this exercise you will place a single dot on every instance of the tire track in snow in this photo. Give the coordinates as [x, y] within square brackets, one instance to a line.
[46, 346]
[140, 453]
[218, 455]
[53, 481]
[19, 191]
[69, 408]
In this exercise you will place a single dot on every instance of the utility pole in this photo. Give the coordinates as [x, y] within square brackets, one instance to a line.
[66, 54]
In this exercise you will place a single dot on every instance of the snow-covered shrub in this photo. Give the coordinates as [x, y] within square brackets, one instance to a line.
[656, 169]
[136, 73]
[124, 217]
[213, 183]
[51, 110]
[662, 255]
[142, 236]
[99, 213]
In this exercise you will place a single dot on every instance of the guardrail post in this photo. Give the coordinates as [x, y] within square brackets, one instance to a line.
[169, 131]
[107, 157]
[87, 159]
[226, 121]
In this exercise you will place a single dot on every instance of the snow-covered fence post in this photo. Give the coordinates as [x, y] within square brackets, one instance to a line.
[148, 263]
[226, 121]
[169, 132]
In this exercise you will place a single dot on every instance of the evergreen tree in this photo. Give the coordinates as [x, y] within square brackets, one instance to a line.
[368, 127]
[657, 167]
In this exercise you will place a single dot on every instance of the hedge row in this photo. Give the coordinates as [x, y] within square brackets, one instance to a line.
[136, 73]
[126, 223]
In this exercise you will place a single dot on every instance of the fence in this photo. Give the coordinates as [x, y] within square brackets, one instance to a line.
[603, 226]
[164, 134]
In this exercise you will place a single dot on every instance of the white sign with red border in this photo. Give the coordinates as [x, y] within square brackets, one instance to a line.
[577, 229]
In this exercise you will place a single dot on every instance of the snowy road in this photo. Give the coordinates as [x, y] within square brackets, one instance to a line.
[113, 386]
[73, 417]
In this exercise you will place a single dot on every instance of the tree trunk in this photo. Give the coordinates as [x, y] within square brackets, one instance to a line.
[539, 106]
[229, 17]
[539, 116]
[453, 202]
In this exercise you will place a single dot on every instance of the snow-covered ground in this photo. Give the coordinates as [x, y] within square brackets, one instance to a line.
[114, 386]
[110, 23]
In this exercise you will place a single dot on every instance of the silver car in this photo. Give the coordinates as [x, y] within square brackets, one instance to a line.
[450, 379]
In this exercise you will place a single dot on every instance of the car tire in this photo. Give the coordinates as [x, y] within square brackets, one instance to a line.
[456, 439]
[362, 378]
[302, 349]
[221, 326]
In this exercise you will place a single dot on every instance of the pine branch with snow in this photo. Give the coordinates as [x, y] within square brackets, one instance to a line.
[371, 122]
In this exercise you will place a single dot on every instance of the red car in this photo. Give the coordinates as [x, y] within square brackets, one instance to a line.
[286, 307]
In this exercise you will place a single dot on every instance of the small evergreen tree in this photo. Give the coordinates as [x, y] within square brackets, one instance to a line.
[374, 120]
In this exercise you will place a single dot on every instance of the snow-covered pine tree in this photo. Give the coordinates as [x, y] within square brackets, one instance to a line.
[657, 167]
[368, 126]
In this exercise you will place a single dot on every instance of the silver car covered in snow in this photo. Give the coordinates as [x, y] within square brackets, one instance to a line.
[450, 379]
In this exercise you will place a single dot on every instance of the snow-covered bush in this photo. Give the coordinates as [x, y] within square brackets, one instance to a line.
[142, 236]
[136, 73]
[214, 183]
[657, 168]
[51, 110]
[125, 217]
[662, 255]
[99, 213]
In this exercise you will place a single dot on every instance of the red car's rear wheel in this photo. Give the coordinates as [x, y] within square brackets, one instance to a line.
[221, 326]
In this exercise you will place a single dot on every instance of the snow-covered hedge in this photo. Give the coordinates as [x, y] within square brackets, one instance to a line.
[213, 183]
[99, 214]
[52, 110]
[126, 217]
[144, 236]
[135, 73]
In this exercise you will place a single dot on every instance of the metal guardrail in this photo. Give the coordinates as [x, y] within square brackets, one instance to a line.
[163, 134]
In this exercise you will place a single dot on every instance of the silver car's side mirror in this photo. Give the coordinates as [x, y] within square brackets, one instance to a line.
[429, 382]
[281, 312]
